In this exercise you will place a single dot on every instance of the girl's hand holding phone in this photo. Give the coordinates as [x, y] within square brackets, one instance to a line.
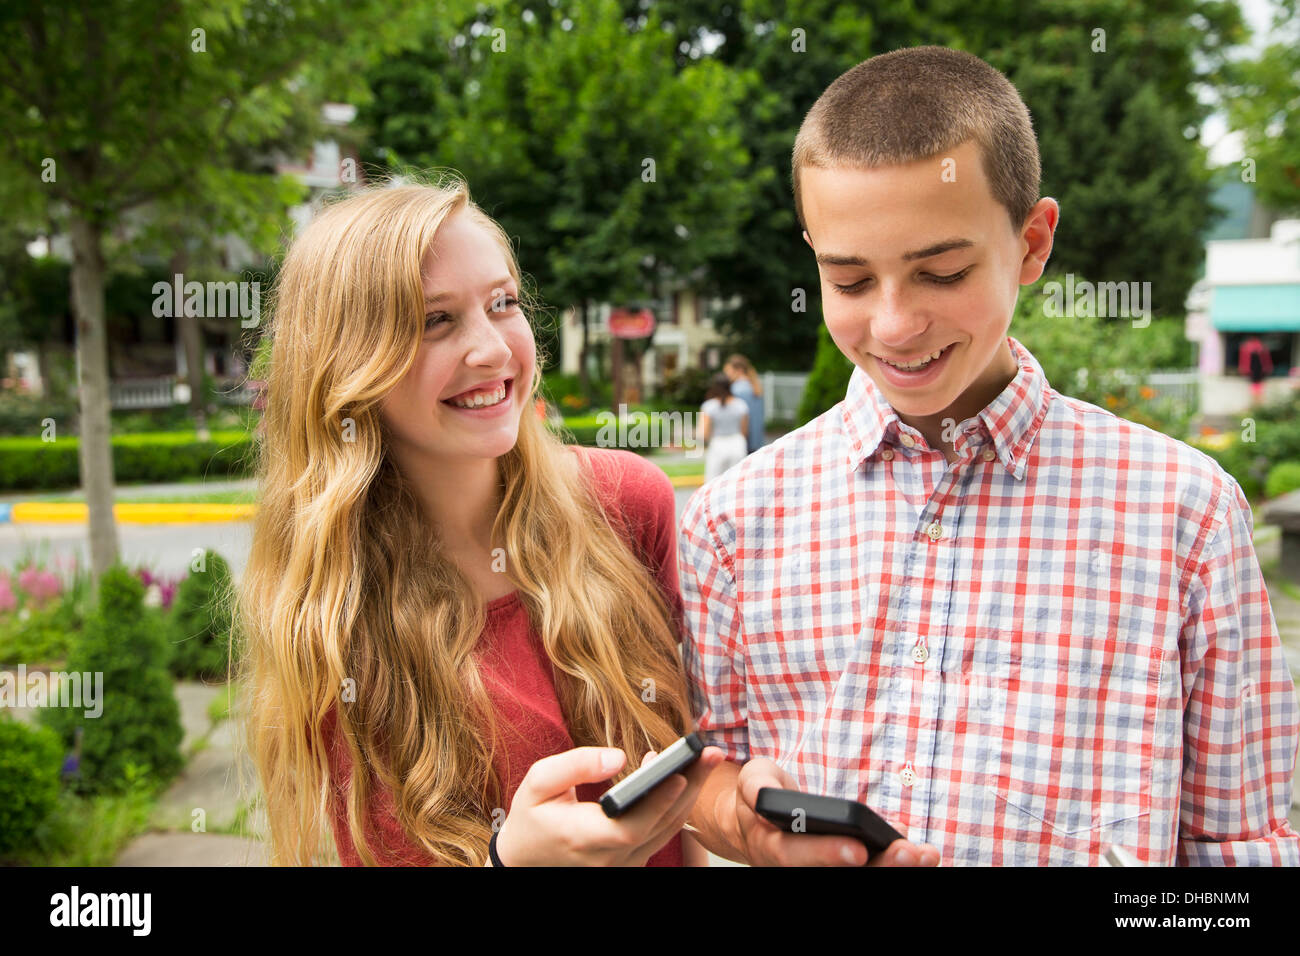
[548, 825]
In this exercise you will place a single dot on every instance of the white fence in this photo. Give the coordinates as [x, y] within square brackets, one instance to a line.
[166, 391]
[142, 392]
[782, 392]
[1183, 387]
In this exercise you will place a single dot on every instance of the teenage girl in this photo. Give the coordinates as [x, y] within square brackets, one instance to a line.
[455, 626]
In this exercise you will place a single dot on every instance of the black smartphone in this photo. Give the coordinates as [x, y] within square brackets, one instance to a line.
[806, 813]
[625, 794]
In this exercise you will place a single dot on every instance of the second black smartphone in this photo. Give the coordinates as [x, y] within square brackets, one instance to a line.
[807, 813]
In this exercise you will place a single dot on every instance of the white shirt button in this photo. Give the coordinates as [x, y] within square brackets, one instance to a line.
[908, 775]
[935, 531]
[887, 454]
[989, 454]
[920, 654]
[907, 440]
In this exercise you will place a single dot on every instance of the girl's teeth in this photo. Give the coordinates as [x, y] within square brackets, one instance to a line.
[483, 399]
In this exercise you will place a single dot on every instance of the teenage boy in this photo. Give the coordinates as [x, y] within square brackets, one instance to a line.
[1018, 627]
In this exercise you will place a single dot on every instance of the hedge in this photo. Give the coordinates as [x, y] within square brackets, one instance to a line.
[30, 463]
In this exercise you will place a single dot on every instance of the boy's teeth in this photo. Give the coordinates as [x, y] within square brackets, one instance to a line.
[915, 365]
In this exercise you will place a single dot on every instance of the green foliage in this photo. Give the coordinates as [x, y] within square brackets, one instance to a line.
[140, 722]
[1243, 461]
[1284, 477]
[26, 414]
[1115, 129]
[829, 381]
[30, 759]
[92, 830]
[1104, 361]
[686, 387]
[1262, 103]
[553, 134]
[150, 457]
[201, 620]
[45, 636]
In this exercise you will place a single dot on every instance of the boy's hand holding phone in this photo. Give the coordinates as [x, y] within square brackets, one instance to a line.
[763, 844]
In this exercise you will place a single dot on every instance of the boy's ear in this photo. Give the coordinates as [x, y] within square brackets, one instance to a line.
[806, 239]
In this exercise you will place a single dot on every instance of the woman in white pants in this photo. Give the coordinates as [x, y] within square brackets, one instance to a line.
[724, 422]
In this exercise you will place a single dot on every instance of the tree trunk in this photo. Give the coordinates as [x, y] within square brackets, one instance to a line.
[192, 341]
[584, 380]
[93, 393]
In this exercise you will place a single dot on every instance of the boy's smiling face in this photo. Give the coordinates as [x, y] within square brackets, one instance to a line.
[912, 262]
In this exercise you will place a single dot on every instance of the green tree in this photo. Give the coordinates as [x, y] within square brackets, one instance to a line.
[118, 105]
[616, 171]
[1117, 130]
[1263, 100]
[140, 720]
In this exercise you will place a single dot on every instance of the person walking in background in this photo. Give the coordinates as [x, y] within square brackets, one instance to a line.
[724, 419]
[1254, 362]
[746, 386]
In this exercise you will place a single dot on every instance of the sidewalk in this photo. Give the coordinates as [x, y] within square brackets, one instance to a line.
[211, 783]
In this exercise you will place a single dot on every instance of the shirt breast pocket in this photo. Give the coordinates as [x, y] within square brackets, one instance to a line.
[1079, 739]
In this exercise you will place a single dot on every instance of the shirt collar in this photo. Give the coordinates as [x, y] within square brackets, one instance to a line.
[1012, 419]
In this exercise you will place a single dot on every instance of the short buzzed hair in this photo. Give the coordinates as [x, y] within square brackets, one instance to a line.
[915, 103]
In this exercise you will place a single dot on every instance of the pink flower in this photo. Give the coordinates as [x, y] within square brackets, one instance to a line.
[42, 585]
[8, 601]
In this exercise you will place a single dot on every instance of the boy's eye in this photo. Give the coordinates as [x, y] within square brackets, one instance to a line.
[939, 280]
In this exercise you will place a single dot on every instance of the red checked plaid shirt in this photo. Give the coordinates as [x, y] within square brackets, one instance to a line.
[1059, 642]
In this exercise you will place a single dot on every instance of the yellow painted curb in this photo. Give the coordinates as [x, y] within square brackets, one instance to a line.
[37, 512]
[687, 481]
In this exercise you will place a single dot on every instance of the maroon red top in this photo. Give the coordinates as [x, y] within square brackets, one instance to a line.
[519, 677]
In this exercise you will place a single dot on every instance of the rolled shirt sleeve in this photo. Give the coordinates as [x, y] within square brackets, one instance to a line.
[1240, 719]
[711, 648]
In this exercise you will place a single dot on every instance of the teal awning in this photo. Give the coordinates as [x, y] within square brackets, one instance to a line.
[1256, 308]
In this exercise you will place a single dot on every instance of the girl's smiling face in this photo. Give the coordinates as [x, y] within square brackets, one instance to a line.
[476, 339]
[913, 262]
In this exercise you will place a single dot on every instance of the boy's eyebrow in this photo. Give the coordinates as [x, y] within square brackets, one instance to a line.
[498, 284]
[947, 245]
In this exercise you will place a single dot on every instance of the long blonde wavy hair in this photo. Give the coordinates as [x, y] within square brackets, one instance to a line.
[347, 579]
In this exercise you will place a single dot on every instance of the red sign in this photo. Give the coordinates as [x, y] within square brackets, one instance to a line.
[631, 324]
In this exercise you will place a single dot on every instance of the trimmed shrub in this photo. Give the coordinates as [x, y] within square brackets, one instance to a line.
[1284, 477]
[140, 723]
[30, 758]
[200, 622]
[29, 463]
[829, 381]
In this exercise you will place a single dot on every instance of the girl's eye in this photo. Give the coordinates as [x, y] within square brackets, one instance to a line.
[506, 304]
[938, 280]
[433, 321]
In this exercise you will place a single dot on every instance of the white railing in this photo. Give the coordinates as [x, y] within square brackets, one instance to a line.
[782, 392]
[164, 392]
[1183, 387]
[142, 392]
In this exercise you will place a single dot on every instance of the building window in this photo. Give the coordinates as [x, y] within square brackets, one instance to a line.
[1280, 345]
